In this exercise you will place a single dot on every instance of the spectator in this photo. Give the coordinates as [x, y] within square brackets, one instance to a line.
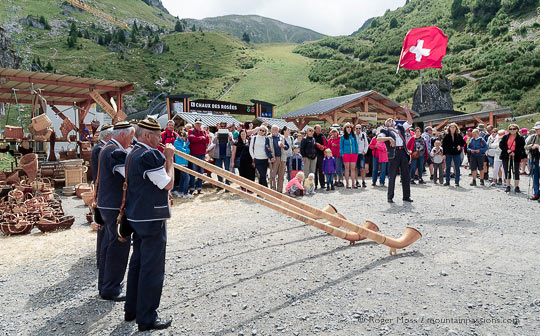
[363, 147]
[348, 149]
[286, 154]
[309, 184]
[321, 145]
[259, 149]
[438, 162]
[277, 146]
[181, 143]
[329, 168]
[490, 154]
[299, 137]
[512, 147]
[477, 148]
[198, 141]
[241, 158]
[427, 135]
[523, 166]
[533, 146]
[417, 148]
[222, 150]
[309, 152]
[453, 144]
[333, 144]
[497, 162]
[296, 163]
[380, 161]
[295, 188]
[168, 136]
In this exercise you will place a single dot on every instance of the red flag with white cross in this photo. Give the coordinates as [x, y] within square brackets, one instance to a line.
[423, 48]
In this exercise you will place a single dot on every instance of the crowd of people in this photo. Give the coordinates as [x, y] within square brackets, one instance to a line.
[319, 160]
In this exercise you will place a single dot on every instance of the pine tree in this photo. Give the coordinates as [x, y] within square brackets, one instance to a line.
[193, 28]
[393, 23]
[178, 27]
[245, 37]
[73, 34]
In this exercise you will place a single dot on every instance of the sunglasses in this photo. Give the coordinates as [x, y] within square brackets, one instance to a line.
[513, 129]
[310, 131]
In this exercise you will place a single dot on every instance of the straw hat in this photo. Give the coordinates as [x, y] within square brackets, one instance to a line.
[150, 124]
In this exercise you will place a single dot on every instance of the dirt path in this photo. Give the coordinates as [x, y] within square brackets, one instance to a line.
[236, 268]
[467, 75]
[489, 105]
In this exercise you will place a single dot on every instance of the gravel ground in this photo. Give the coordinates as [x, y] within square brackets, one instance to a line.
[236, 268]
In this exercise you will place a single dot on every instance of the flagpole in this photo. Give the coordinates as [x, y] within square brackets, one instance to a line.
[421, 95]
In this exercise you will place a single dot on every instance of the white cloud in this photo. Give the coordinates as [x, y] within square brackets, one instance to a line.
[330, 17]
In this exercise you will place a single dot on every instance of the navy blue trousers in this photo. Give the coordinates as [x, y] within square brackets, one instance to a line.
[146, 270]
[401, 162]
[113, 257]
[100, 234]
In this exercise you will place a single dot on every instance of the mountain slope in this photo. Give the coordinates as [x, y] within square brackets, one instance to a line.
[496, 45]
[260, 29]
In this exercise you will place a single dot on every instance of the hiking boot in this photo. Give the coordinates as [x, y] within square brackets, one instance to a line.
[507, 189]
[364, 184]
[516, 190]
[328, 188]
[473, 183]
[412, 182]
[535, 198]
[482, 182]
[457, 184]
[421, 182]
[446, 184]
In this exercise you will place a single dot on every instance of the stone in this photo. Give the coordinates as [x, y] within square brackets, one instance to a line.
[8, 57]
[435, 97]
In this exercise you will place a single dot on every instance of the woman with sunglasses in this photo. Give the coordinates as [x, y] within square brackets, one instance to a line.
[512, 147]
[348, 149]
[259, 149]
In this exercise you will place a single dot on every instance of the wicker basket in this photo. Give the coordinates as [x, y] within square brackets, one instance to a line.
[16, 227]
[41, 122]
[49, 225]
[13, 132]
[29, 163]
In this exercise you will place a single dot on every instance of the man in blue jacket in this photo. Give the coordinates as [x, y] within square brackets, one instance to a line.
[477, 148]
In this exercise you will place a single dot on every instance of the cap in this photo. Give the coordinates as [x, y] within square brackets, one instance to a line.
[121, 125]
[524, 130]
[501, 131]
[134, 121]
[198, 121]
[150, 124]
[537, 127]
[106, 127]
[335, 126]
[428, 128]
[469, 130]
[481, 127]
[333, 129]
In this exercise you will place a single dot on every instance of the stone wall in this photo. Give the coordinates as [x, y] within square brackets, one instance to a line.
[8, 58]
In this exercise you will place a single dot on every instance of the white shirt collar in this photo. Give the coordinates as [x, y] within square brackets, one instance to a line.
[118, 144]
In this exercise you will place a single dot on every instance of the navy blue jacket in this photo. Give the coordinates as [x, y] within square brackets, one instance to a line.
[95, 158]
[111, 182]
[145, 201]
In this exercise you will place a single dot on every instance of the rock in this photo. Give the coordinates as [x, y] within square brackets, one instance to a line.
[32, 22]
[8, 58]
[158, 48]
[443, 273]
[254, 332]
[69, 8]
[435, 97]
[117, 47]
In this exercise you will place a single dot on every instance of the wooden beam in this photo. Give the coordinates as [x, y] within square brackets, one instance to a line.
[477, 119]
[68, 84]
[381, 106]
[491, 121]
[366, 105]
[63, 116]
[103, 103]
[29, 102]
[334, 118]
[441, 125]
[49, 94]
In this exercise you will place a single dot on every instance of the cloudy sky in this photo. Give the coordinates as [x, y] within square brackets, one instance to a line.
[330, 17]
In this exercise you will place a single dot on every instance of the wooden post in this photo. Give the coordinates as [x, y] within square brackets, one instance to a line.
[491, 120]
[168, 100]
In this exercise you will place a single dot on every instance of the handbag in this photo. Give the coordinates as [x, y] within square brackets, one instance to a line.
[124, 228]
[415, 155]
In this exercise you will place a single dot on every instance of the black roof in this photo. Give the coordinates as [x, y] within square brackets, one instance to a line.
[180, 96]
[254, 101]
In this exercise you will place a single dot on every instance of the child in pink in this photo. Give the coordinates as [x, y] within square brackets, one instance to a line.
[295, 188]
[380, 161]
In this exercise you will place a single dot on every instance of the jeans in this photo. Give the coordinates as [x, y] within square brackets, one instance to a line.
[457, 163]
[339, 167]
[192, 184]
[262, 167]
[183, 182]
[535, 170]
[226, 161]
[376, 172]
[417, 163]
[330, 180]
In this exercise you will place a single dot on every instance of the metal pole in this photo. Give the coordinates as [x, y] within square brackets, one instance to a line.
[421, 89]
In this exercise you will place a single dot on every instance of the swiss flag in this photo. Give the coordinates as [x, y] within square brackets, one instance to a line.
[423, 48]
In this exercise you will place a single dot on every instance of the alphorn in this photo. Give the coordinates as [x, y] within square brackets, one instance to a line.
[409, 236]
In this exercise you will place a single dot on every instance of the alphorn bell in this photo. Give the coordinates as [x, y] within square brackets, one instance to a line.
[332, 210]
[299, 210]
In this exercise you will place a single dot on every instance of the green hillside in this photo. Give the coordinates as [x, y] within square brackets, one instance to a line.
[260, 29]
[495, 43]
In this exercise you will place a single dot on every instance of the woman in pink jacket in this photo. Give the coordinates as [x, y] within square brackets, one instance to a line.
[380, 161]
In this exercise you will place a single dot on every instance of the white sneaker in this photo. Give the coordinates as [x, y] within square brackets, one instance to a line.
[175, 193]
[493, 184]
[187, 196]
